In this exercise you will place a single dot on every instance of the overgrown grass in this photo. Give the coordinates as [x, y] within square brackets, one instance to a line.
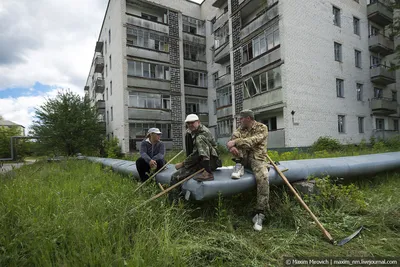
[75, 213]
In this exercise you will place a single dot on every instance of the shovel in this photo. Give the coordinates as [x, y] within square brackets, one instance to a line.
[324, 231]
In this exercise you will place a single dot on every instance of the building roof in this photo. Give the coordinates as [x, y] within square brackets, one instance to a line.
[9, 123]
[197, 1]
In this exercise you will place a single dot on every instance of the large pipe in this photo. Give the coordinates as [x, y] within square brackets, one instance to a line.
[343, 167]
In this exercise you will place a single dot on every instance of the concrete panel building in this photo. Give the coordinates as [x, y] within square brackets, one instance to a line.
[307, 69]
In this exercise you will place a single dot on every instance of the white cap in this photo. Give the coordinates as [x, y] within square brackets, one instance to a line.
[154, 130]
[192, 117]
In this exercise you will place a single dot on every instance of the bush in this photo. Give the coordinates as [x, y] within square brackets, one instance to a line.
[113, 150]
[326, 143]
[379, 147]
[393, 143]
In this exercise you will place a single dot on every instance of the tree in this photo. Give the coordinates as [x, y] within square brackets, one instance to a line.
[68, 124]
[5, 135]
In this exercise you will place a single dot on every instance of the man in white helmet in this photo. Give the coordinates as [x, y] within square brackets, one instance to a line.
[201, 152]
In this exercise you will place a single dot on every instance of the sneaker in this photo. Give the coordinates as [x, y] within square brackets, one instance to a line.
[258, 220]
[238, 171]
[204, 176]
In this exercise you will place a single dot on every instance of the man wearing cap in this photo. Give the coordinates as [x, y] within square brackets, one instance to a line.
[201, 152]
[248, 145]
[152, 152]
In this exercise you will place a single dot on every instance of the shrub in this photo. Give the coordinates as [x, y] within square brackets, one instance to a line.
[326, 143]
[113, 150]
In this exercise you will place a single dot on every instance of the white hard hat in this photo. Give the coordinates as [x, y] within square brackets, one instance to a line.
[192, 117]
[154, 130]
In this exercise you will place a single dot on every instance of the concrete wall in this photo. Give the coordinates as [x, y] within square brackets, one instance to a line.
[309, 71]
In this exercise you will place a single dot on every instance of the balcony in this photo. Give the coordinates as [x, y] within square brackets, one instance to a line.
[86, 88]
[383, 106]
[203, 117]
[380, 13]
[381, 74]
[146, 53]
[147, 24]
[260, 21]
[150, 83]
[99, 47]
[99, 85]
[221, 54]
[221, 20]
[100, 105]
[219, 3]
[147, 114]
[381, 44]
[99, 64]
[276, 139]
[264, 101]
[224, 112]
[384, 134]
[260, 62]
[222, 80]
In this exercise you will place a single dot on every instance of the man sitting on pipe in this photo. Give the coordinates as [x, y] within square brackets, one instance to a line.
[201, 152]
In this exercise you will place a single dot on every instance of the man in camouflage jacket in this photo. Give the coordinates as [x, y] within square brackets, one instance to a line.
[201, 152]
[248, 145]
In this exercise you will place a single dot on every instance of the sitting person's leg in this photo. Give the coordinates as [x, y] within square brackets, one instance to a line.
[160, 164]
[203, 149]
[142, 168]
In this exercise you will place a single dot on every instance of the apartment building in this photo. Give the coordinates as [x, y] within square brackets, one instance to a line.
[307, 69]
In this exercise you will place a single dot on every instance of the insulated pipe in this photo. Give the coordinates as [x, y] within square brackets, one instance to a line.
[343, 167]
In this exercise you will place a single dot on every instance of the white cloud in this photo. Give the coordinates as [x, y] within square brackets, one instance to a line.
[45, 41]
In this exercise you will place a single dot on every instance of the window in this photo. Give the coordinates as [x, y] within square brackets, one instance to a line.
[108, 117]
[357, 55]
[373, 31]
[149, 100]
[107, 93]
[221, 36]
[361, 124]
[148, 39]
[224, 97]
[396, 125]
[228, 69]
[195, 105]
[192, 25]
[359, 87]
[110, 88]
[378, 92]
[148, 70]
[215, 78]
[110, 62]
[339, 88]
[105, 48]
[375, 61]
[106, 70]
[224, 128]
[261, 44]
[356, 25]
[149, 17]
[336, 16]
[263, 82]
[338, 51]
[271, 123]
[394, 96]
[194, 52]
[341, 123]
[109, 36]
[195, 78]
[139, 130]
[380, 124]
[112, 114]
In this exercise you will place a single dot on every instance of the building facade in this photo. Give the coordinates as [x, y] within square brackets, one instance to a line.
[307, 69]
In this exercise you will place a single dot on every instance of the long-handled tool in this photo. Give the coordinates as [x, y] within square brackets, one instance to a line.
[325, 232]
[169, 188]
[162, 168]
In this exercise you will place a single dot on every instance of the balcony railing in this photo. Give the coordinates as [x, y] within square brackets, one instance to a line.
[99, 47]
[99, 64]
[383, 106]
[384, 134]
[99, 85]
[86, 88]
[221, 54]
[100, 104]
[380, 13]
[381, 74]
[222, 80]
[381, 44]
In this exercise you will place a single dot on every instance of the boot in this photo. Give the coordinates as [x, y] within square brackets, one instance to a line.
[204, 176]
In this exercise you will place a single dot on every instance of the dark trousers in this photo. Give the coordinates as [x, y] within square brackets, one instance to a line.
[143, 168]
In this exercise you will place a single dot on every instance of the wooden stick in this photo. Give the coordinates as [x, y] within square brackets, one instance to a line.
[161, 187]
[326, 233]
[162, 168]
[170, 188]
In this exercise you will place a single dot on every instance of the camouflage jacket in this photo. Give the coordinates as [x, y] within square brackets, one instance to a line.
[253, 140]
[207, 147]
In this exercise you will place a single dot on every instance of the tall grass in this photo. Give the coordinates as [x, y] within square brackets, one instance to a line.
[75, 213]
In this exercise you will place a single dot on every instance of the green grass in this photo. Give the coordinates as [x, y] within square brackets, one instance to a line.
[75, 213]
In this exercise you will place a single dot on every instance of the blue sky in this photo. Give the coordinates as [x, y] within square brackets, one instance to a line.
[45, 46]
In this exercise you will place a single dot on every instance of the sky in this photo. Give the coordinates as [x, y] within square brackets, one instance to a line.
[45, 46]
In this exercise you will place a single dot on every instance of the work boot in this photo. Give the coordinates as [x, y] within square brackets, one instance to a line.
[204, 176]
[258, 220]
[238, 171]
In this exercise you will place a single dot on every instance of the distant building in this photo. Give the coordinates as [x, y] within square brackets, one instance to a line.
[9, 124]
